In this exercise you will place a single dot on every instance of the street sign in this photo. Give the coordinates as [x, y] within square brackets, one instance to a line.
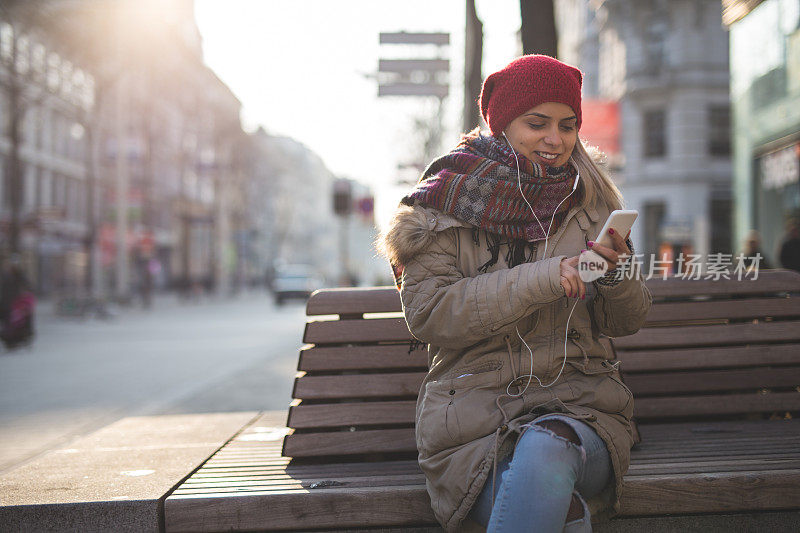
[402, 37]
[413, 89]
[407, 66]
[414, 77]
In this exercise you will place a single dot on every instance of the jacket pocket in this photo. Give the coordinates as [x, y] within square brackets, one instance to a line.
[627, 411]
[596, 384]
[459, 409]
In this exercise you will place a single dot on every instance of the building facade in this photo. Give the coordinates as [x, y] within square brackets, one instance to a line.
[665, 64]
[765, 95]
[44, 100]
[132, 167]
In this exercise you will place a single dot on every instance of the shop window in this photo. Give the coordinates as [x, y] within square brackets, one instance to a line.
[44, 189]
[654, 135]
[59, 191]
[5, 186]
[654, 213]
[721, 222]
[719, 130]
[5, 113]
[29, 194]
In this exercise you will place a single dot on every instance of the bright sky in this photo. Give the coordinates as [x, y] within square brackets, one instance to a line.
[304, 69]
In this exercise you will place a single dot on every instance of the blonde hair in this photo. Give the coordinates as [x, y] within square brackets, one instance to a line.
[597, 184]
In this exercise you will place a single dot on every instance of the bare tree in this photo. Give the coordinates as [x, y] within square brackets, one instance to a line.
[472, 66]
[538, 27]
[22, 93]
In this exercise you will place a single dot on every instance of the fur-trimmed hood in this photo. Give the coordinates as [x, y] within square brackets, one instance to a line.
[411, 230]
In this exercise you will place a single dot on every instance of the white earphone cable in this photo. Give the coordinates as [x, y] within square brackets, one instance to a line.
[529, 376]
[544, 256]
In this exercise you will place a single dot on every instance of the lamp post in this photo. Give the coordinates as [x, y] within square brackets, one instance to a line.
[342, 206]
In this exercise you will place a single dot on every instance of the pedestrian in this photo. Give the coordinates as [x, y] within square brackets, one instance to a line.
[752, 254]
[17, 304]
[790, 248]
[522, 424]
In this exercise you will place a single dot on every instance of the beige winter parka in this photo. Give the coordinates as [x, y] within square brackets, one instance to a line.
[465, 419]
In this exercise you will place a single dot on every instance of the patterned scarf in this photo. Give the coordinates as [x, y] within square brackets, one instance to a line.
[477, 184]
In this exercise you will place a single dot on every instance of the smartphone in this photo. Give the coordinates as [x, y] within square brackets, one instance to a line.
[592, 266]
[621, 220]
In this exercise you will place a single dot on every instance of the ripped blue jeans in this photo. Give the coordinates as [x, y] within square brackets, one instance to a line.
[534, 486]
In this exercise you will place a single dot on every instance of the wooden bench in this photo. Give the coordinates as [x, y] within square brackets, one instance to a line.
[715, 372]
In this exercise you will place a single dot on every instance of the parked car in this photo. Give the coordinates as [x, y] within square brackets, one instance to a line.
[295, 281]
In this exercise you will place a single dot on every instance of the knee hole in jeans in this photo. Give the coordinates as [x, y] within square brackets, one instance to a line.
[561, 429]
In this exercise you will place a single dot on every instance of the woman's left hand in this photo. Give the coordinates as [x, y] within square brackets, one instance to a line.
[612, 254]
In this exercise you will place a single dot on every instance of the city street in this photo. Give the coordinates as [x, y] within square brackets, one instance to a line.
[215, 355]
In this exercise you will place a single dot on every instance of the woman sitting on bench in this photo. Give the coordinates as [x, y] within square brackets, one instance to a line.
[521, 424]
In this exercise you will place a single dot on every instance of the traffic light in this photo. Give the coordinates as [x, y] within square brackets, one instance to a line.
[342, 197]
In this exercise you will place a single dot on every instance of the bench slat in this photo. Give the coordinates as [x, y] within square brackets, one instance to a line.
[714, 429]
[769, 281]
[724, 309]
[353, 301]
[732, 454]
[711, 492]
[288, 483]
[395, 330]
[711, 381]
[332, 358]
[401, 384]
[356, 331]
[722, 404]
[351, 414]
[324, 469]
[320, 508]
[713, 335]
[697, 358]
[734, 464]
[350, 443]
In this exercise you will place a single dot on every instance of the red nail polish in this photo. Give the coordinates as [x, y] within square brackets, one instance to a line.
[611, 231]
[590, 244]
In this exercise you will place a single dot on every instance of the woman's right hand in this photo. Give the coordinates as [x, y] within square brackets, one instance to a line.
[570, 279]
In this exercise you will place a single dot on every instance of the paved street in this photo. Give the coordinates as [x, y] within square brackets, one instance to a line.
[218, 355]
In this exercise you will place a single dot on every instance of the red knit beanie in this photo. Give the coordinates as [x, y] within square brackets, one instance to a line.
[525, 83]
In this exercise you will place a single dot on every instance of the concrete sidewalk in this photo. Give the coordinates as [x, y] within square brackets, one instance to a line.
[117, 478]
[80, 375]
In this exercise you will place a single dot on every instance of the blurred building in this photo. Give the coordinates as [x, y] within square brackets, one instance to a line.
[291, 207]
[134, 167]
[48, 97]
[765, 94]
[293, 217]
[657, 73]
[173, 165]
[136, 174]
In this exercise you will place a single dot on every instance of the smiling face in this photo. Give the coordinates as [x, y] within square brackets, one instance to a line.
[545, 134]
